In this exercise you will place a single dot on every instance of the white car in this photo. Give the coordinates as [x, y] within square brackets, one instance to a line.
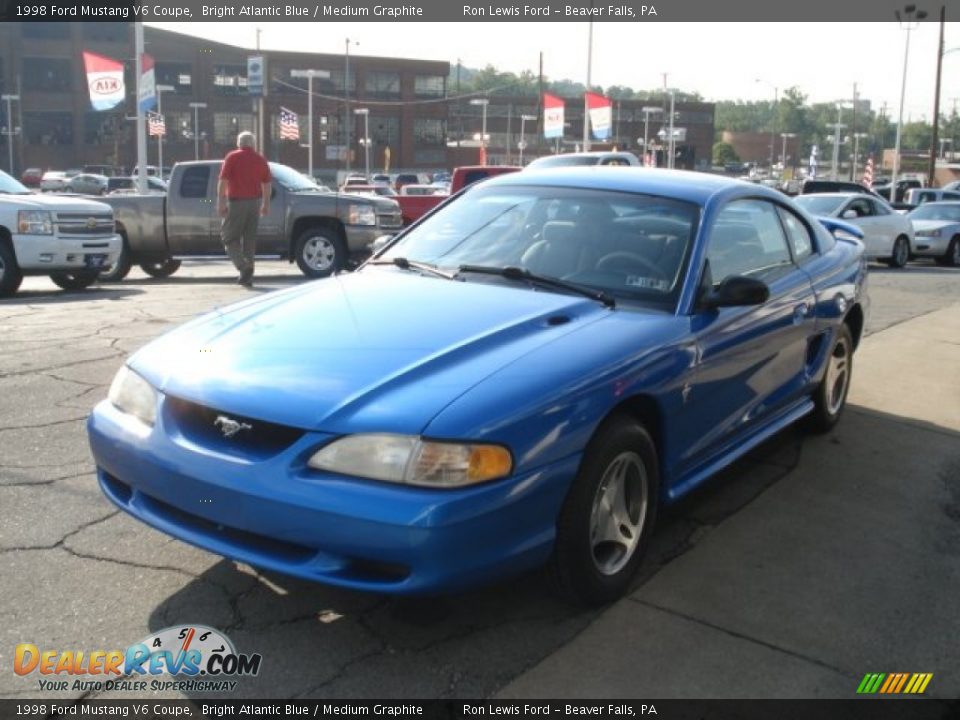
[937, 228]
[887, 235]
[53, 181]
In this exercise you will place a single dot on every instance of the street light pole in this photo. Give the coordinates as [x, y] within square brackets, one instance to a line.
[523, 136]
[161, 89]
[366, 139]
[309, 75]
[783, 153]
[908, 21]
[670, 145]
[9, 130]
[346, 96]
[196, 128]
[483, 102]
[647, 110]
[586, 110]
[856, 153]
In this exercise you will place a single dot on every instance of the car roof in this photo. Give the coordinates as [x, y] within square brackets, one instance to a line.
[685, 185]
[845, 195]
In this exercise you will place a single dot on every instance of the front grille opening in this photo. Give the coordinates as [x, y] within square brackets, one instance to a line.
[120, 490]
[240, 539]
[374, 571]
[199, 424]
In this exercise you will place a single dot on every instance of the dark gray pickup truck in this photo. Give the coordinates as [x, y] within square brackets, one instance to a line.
[320, 230]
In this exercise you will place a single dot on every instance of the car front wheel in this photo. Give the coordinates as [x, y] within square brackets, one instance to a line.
[319, 252]
[951, 258]
[901, 252]
[162, 269]
[10, 275]
[608, 514]
[74, 280]
[831, 395]
[120, 269]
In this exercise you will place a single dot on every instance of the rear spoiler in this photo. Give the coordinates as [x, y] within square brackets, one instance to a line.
[834, 225]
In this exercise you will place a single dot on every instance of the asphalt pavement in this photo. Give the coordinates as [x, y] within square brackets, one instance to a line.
[806, 565]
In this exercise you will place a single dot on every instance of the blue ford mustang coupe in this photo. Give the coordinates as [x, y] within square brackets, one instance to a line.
[522, 378]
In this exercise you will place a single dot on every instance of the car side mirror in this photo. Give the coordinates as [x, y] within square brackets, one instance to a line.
[737, 290]
[849, 214]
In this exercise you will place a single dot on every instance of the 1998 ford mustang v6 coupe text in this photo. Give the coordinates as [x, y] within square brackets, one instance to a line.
[521, 378]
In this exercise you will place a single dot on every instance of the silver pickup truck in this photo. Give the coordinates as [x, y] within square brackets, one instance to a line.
[320, 230]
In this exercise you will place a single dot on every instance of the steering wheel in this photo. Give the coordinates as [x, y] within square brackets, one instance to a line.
[617, 260]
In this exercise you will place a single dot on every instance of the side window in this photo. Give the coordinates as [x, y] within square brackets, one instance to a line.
[797, 234]
[194, 182]
[879, 208]
[861, 207]
[748, 239]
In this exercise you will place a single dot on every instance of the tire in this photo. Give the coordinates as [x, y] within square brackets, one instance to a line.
[120, 269]
[901, 252]
[74, 281]
[319, 252]
[161, 269]
[951, 258]
[830, 397]
[10, 275]
[619, 467]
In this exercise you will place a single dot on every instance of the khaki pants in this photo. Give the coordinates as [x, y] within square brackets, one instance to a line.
[239, 233]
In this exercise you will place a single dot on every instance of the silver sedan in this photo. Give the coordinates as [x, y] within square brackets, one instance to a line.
[937, 229]
[887, 235]
[87, 184]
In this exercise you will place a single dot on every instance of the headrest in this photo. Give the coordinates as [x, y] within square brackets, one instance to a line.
[559, 232]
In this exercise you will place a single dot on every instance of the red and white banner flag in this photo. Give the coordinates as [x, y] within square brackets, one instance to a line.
[868, 173]
[105, 80]
[148, 84]
[552, 116]
[601, 115]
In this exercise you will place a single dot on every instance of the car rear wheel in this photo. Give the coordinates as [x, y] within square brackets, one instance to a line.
[608, 514]
[10, 275]
[319, 252]
[831, 395]
[901, 252]
[161, 269]
[951, 258]
[73, 281]
[120, 269]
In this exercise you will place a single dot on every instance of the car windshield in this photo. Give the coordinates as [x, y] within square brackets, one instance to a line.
[9, 186]
[820, 205]
[631, 247]
[936, 211]
[290, 179]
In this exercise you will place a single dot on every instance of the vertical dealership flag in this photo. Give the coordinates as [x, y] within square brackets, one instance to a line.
[148, 84]
[105, 80]
[289, 125]
[155, 124]
[601, 115]
[868, 172]
[552, 116]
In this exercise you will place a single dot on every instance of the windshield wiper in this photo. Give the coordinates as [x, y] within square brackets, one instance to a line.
[516, 273]
[404, 264]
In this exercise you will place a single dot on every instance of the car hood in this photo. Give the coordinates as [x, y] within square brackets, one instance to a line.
[61, 203]
[379, 350]
[933, 224]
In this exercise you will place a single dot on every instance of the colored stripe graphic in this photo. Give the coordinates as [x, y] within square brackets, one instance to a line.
[894, 683]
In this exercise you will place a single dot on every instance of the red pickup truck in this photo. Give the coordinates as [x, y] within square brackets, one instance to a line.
[413, 207]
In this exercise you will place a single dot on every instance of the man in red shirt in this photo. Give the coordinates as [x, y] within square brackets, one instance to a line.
[243, 193]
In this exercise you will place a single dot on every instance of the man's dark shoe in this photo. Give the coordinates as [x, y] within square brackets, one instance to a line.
[245, 279]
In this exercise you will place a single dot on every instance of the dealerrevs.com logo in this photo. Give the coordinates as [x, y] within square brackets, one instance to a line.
[200, 658]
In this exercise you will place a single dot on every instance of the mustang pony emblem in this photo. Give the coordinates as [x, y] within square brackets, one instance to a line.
[230, 427]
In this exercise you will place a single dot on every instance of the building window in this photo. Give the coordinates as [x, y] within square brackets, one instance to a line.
[226, 126]
[48, 128]
[103, 128]
[107, 31]
[430, 86]
[384, 130]
[46, 30]
[382, 85]
[430, 132]
[47, 74]
[175, 74]
[180, 126]
[230, 80]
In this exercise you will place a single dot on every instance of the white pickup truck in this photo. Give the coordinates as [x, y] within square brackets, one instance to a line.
[68, 238]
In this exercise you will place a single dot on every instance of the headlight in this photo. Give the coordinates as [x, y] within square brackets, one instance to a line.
[361, 215]
[34, 222]
[133, 395]
[928, 233]
[410, 460]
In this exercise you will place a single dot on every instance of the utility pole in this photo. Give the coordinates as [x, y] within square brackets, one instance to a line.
[141, 179]
[932, 164]
[586, 110]
[853, 127]
[260, 146]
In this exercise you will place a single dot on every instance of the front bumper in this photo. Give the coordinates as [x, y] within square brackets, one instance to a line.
[929, 246]
[51, 253]
[276, 513]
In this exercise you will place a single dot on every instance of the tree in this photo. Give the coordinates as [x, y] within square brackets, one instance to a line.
[724, 153]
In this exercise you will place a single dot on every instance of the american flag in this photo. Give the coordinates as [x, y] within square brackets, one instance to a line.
[289, 125]
[156, 125]
[868, 173]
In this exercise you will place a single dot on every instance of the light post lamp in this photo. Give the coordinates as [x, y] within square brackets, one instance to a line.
[523, 137]
[346, 95]
[783, 153]
[197, 106]
[10, 130]
[909, 20]
[161, 89]
[309, 75]
[482, 102]
[366, 139]
[647, 111]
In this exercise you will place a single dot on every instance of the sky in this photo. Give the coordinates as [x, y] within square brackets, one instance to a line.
[721, 61]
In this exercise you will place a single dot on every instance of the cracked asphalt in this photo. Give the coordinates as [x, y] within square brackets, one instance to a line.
[78, 574]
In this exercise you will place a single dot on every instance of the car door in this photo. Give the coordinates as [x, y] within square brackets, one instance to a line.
[876, 233]
[193, 226]
[890, 224]
[270, 236]
[750, 368]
